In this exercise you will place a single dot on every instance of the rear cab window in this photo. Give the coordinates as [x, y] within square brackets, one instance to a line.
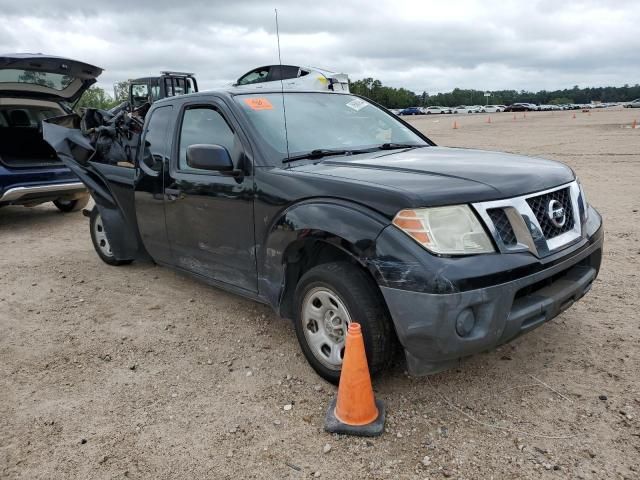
[155, 141]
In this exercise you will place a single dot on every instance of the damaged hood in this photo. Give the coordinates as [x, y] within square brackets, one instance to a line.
[433, 176]
[39, 75]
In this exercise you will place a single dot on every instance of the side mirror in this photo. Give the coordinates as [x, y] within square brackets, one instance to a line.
[209, 157]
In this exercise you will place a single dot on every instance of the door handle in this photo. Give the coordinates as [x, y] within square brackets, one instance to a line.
[173, 193]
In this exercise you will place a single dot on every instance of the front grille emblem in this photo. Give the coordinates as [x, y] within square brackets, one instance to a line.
[556, 213]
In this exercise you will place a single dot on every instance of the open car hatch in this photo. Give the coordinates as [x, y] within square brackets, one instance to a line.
[39, 75]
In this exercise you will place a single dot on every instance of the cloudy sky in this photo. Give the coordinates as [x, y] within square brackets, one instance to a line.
[422, 45]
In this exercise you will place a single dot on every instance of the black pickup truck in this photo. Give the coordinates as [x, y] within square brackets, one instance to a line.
[331, 209]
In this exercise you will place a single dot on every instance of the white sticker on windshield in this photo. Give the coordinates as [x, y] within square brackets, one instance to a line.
[357, 104]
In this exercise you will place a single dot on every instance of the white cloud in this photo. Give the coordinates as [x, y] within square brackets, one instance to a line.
[432, 46]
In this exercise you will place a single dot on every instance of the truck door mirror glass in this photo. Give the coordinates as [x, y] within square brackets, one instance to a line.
[209, 157]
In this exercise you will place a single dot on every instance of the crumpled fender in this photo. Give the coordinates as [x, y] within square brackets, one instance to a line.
[349, 227]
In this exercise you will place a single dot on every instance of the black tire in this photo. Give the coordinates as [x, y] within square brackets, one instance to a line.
[95, 227]
[357, 291]
[72, 205]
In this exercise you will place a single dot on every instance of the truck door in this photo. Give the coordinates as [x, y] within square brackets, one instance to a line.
[210, 214]
[150, 171]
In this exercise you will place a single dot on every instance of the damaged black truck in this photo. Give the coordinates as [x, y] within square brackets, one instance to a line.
[339, 212]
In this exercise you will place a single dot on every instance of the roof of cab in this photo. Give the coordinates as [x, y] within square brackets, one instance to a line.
[230, 92]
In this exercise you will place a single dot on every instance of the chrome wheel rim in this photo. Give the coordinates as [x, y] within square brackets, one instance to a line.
[325, 320]
[101, 237]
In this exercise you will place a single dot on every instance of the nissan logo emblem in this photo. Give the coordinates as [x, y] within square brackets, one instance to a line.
[555, 212]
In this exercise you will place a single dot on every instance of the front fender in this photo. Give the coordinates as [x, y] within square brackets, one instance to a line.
[350, 227]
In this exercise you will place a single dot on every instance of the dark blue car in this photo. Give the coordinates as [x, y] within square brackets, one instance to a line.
[34, 87]
[411, 111]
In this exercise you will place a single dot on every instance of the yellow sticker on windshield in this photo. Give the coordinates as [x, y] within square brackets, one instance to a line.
[258, 103]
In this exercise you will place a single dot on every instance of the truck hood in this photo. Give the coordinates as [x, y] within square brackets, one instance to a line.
[434, 176]
[38, 75]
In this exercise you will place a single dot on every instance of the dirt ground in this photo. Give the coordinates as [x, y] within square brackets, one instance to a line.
[139, 372]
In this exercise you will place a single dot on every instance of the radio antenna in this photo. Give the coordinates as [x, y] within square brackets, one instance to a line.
[284, 108]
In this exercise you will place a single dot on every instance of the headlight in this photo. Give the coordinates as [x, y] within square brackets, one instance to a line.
[584, 206]
[451, 230]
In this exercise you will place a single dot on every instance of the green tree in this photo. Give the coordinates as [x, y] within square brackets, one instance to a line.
[392, 97]
[560, 101]
[96, 97]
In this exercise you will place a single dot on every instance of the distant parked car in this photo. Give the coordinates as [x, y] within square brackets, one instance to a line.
[467, 109]
[293, 77]
[431, 110]
[633, 104]
[411, 111]
[492, 109]
[519, 107]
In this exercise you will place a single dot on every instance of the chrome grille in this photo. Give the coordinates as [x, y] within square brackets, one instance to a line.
[521, 224]
[539, 206]
[503, 226]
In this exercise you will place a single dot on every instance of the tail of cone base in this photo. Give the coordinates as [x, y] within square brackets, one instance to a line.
[355, 411]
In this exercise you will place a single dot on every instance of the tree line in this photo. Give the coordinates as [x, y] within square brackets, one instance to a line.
[392, 97]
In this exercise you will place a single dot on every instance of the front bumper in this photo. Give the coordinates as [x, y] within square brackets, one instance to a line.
[428, 325]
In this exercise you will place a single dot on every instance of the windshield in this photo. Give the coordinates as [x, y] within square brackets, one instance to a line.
[47, 79]
[322, 121]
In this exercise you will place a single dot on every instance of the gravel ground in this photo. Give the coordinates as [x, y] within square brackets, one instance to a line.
[139, 372]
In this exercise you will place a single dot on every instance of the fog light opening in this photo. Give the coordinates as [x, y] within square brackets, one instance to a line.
[465, 322]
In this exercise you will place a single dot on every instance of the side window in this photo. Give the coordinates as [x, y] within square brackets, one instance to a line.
[284, 72]
[155, 140]
[205, 125]
[155, 92]
[190, 85]
[139, 94]
[256, 76]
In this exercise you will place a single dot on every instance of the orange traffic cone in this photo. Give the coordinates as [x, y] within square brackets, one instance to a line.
[634, 123]
[514, 116]
[455, 125]
[574, 115]
[355, 411]
[489, 119]
[524, 115]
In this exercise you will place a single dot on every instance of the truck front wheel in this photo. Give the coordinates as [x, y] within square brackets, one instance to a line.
[100, 240]
[329, 297]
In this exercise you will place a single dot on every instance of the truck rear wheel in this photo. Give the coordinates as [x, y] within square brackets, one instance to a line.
[100, 240]
[328, 298]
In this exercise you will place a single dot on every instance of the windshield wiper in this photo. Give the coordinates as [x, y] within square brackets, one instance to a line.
[398, 146]
[326, 152]
[317, 153]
